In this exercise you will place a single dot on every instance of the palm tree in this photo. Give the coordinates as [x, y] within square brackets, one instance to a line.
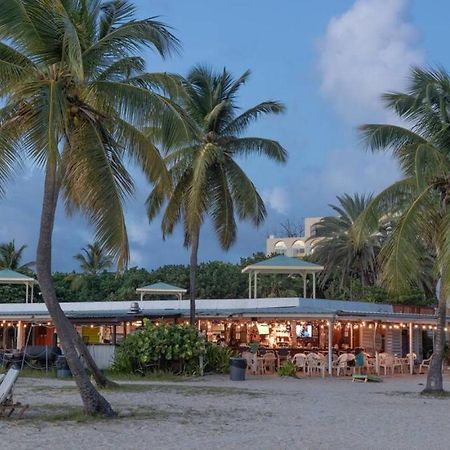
[206, 177]
[334, 246]
[11, 257]
[94, 259]
[421, 197]
[75, 99]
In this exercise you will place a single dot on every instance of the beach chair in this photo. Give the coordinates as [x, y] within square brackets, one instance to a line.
[341, 364]
[425, 364]
[7, 405]
[269, 362]
[387, 363]
[299, 360]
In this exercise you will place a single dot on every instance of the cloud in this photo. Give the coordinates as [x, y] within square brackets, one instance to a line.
[345, 170]
[366, 51]
[277, 199]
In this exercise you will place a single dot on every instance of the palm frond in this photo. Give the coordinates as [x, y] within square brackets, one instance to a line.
[240, 123]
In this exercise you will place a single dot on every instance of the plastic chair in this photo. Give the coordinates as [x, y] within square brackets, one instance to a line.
[299, 360]
[425, 364]
[269, 360]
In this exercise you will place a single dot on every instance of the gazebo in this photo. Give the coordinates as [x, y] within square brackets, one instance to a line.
[8, 276]
[161, 289]
[282, 264]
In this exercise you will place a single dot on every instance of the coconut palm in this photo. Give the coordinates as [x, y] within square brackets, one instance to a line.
[334, 244]
[422, 196]
[206, 176]
[11, 256]
[93, 259]
[75, 98]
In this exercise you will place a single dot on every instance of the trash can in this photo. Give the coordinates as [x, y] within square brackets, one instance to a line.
[62, 368]
[237, 369]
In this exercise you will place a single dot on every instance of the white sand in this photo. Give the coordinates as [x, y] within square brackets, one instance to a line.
[260, 413]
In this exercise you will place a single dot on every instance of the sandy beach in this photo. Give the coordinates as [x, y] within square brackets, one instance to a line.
[216, 413]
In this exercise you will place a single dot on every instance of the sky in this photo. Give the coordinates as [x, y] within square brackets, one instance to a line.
[327, 61]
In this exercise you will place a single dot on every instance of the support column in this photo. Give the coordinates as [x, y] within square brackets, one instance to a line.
[330, 347]
[314, 284]
[26, 295]
[411, 347]
[255, 287]
[249, 285]
[304, 285]
[351, 335]
[32, 293]
[114, 334]
[20, 335]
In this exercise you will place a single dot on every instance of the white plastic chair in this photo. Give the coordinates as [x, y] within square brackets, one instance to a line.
[251, 362]
[425, 364]
[269, 362]
[299, 360]
[341, 364]
[387, 362]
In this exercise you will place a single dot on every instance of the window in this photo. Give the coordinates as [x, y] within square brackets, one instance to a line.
[298, 248]
[280, 248]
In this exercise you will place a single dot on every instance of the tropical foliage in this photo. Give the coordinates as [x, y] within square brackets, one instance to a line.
[217, 358]
[173, 348]
[421, 197]
[335, 247]
[75, 99]
[94, 259]
[11, 257]
[204, 169]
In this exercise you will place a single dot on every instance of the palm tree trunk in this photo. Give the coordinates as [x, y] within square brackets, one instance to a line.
[193, 275]
[93, 402]
[434, 378]
[99, 378]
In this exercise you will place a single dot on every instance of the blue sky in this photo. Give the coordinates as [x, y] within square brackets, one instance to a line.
[328, 61]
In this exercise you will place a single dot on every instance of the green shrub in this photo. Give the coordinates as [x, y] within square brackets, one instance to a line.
[287, 369]
[217, 358]
[173, 348]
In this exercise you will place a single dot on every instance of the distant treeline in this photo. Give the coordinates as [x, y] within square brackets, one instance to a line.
[216, 279]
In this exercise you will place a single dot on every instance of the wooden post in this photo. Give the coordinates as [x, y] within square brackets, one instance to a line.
[304, 285]
[249, 285]
[255, 287]
[26, 295]
[20, 335]
[114, 334]
[314, 284]
[411, 347]
[330, 347]
[124, 330]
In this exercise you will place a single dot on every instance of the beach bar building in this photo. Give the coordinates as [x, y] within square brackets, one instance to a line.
[297, 324]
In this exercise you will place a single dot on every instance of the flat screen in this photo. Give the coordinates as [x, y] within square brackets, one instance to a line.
[303, 331]
[262, 328]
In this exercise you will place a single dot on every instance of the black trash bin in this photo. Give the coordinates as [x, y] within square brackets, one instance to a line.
[62, 368]
[237, 369]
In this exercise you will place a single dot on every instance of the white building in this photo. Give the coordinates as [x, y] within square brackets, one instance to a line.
[297, 246]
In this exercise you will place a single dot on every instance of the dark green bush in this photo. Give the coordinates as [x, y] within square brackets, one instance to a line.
[217, 358]
[173, 348]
